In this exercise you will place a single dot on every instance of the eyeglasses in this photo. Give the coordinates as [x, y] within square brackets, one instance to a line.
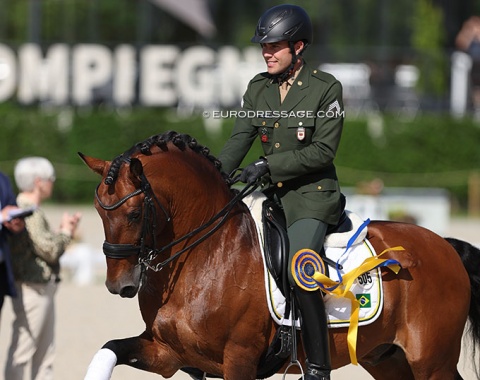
[52, 178]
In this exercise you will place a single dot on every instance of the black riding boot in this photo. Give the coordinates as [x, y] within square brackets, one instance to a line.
[314, 334]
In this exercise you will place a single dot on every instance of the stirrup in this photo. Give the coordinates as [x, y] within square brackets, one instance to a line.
[295, 363]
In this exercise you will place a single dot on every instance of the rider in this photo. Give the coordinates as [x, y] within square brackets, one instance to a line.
[298, 112]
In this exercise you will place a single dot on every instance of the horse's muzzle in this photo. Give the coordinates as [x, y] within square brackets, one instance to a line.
[123, 279]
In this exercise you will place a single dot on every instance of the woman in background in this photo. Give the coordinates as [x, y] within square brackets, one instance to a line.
[35, 255]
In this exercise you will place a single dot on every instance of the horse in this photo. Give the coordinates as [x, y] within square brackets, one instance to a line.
[198, 274]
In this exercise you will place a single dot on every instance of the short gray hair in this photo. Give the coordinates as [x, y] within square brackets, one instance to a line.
[30, 168]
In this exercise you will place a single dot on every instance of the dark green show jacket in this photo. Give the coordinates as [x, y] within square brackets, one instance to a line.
[299, 137]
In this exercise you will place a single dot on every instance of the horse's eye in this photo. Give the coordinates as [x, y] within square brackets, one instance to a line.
[134, 216]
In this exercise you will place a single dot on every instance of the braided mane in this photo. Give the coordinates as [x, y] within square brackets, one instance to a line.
[180, 140]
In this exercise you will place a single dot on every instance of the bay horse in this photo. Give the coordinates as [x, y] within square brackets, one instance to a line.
[199, 277]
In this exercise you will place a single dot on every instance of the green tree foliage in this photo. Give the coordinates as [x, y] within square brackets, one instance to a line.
[428, 40]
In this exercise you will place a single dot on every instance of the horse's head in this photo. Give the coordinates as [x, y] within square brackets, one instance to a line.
[139, 195]
[119, 204]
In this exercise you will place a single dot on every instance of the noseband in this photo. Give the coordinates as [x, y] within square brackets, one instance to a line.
[146, 254]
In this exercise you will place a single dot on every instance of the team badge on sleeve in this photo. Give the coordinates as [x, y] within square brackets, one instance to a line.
[335, 107]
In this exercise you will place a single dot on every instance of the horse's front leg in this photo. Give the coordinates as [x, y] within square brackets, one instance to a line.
[140, 352]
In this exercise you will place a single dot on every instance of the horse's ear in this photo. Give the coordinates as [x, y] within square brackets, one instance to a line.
[136, 167]
[97, 165]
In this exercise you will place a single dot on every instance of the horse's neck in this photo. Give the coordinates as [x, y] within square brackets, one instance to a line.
[233, 248]
[203, 203]
[236, 243]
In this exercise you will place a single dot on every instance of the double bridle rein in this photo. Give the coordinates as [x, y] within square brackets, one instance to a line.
[146, 255]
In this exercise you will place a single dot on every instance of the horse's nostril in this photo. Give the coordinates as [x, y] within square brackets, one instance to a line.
[128, 292]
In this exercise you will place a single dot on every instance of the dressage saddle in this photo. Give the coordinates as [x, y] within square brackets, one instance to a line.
[276, 242]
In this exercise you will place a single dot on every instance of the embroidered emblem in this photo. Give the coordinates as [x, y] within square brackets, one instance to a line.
[264, 135]
[335, 106]
[300, 133]
[364, 300]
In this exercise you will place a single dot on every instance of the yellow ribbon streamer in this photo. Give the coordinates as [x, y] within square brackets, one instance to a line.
[343, 290]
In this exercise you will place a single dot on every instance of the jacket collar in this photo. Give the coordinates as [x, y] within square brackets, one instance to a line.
[295, 94]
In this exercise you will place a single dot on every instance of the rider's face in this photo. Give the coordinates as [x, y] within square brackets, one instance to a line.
[277, 55]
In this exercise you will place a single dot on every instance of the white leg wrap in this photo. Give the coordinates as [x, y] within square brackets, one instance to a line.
[101, 366]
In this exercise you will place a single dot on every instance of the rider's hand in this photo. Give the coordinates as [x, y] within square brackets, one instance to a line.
[254, 171]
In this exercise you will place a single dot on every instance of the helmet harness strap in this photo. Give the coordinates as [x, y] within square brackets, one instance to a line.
[282, 77]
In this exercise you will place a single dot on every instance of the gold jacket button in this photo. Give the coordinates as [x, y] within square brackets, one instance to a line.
[276, 125]
[279, 184]
[319, 187]
[300, 82]
[277, 145]
[263, 123]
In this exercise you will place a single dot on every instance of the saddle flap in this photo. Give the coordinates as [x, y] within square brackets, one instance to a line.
[276, 240]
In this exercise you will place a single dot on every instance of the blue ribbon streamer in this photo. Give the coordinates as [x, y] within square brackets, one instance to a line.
[349, 245]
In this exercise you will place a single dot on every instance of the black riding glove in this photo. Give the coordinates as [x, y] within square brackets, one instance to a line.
[254, 171]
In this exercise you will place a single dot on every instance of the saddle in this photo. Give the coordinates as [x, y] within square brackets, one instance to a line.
[276, 243]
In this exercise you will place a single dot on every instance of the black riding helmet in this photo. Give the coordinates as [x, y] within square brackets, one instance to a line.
[284, 23]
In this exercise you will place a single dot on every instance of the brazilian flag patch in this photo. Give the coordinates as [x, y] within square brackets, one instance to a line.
[364, 300]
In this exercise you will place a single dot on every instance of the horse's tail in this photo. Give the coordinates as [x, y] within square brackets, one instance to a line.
[470, 256]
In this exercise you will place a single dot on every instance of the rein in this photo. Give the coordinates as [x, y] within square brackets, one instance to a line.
[223, 214]
[146, 254]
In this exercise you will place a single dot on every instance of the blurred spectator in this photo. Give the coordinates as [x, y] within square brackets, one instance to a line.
[35, 256]
[7, 204]
[373, 187]
[368, 199]
[80, 262]
[468, 40]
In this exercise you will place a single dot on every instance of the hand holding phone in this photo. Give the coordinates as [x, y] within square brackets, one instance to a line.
[19, 213]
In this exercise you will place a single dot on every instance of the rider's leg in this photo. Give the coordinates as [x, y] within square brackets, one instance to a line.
[310, 233]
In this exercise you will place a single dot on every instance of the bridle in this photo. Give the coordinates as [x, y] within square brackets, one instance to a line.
[149, 224]
[146, 255]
